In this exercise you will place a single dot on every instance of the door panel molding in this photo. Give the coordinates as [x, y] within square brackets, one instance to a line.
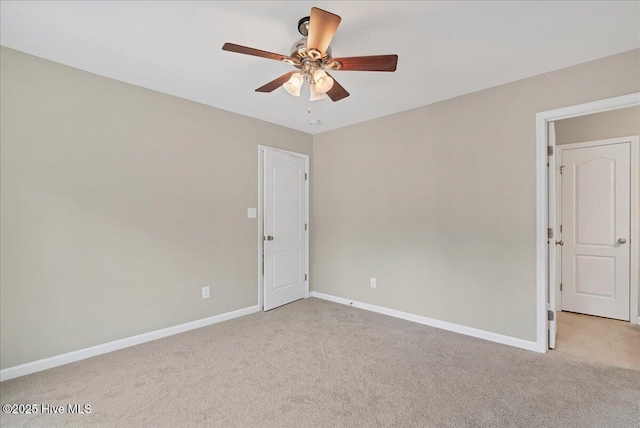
[261, 203]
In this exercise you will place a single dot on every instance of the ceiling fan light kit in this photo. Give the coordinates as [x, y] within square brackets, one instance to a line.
[294, 84]
[311, 55]
[322, 81]
[315, 95]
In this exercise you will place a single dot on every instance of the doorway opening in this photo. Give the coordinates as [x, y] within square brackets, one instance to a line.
[283, 227]
[587, 195]
[593, 199]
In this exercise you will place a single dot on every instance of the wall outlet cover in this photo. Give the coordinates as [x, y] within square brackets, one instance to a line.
[252, 213]
[205, 292]
[373, 283]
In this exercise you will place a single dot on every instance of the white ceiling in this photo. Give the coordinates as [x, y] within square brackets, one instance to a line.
[445, 48]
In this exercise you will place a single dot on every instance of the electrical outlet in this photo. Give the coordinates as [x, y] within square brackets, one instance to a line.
[205, 292]
[373, 283]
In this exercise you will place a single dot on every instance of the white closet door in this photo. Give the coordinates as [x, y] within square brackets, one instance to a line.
[596, 230]
[284, 229]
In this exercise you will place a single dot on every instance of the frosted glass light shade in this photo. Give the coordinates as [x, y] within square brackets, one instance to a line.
[294, 84]
[323, 81]
[315, 95]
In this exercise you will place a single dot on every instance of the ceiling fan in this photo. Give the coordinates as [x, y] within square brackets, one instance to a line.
[311, 55]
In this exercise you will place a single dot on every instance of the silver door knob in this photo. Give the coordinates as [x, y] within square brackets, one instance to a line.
[269, 238]
[622, 241]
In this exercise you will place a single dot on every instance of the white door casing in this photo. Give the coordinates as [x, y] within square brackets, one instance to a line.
[596, 203]
[544, 193]
[284, 232]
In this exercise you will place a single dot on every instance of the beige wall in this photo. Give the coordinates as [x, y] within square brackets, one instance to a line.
[118, 205]
[438, 203]
[611, 124]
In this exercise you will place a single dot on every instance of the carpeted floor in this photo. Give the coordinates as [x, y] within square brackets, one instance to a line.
[314, 363]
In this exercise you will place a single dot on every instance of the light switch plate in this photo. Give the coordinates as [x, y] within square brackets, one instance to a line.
[252, 213]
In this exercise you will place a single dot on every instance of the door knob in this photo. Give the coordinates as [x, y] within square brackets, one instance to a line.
[561, 243]
[622, 241]
[269, 238]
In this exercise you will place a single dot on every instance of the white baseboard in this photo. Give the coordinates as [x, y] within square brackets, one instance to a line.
[469, 331]
[70, 357]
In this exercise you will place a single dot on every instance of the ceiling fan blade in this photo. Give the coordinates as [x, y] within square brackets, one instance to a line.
[337, 92]
[367, 63]
[231, 47]
[276, 83]
[322, 27]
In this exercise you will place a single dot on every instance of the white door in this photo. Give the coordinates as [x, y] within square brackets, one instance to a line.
[284, 228]
[554, 270]
[596, 230]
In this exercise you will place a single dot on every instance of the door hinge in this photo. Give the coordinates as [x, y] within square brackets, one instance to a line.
[562, 169]
[549, 150]
[550, 315]
[305, 175]
[560, 286]
[560, 228]
[549, 233]
[305, 276]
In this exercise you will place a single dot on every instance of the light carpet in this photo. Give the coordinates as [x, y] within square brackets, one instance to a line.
[314, 363]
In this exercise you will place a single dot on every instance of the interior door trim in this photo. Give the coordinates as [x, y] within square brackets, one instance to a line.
[261, 151]
[543, 193]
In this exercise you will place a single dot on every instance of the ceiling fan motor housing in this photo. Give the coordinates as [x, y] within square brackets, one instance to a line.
[299, 50]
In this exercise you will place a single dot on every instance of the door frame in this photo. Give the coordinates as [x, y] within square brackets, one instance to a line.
[261, 150]
[633, 231]
[543, 193]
